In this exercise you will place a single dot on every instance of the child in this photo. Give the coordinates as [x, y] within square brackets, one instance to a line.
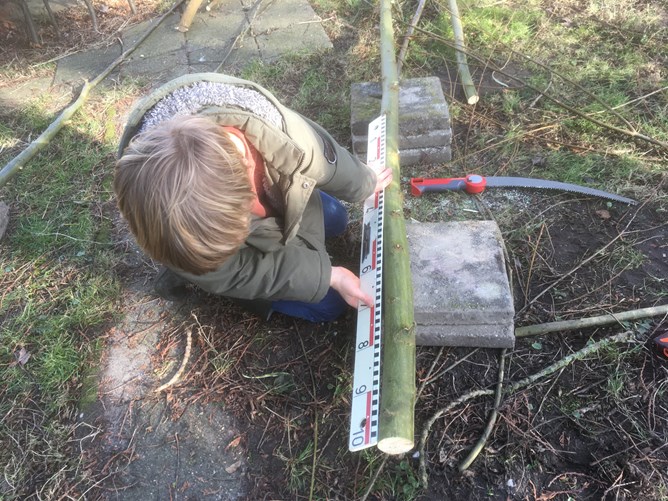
[234, 192]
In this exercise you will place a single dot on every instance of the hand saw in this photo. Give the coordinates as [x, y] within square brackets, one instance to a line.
[473, 183]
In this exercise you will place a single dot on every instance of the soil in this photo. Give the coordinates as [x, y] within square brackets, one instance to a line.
[257, 398]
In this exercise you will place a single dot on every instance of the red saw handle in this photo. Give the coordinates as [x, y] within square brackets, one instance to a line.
[473, 183]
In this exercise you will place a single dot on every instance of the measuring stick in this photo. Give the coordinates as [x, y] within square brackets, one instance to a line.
[366, 378]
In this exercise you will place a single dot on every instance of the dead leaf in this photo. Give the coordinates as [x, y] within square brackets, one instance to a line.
[233, 467]
[22, 356]
[233, 443]
[603, 214]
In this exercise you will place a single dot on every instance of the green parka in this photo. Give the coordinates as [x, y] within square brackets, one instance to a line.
[284, 257]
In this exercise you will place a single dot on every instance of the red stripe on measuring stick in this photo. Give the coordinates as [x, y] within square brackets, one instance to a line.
[374, 246]
[371, 324]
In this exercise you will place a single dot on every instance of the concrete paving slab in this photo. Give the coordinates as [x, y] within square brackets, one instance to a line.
[475, 336]
[289, 26]
[212, 34]
[286, 14]
[303, 39]
[87, 65]
[159, 68]
[426, 140]
[424, 120]
[422, 106]
[16, 96]
[166, 38]
[460, 283]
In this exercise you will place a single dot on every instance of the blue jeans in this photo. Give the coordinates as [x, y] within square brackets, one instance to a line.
[332, 305]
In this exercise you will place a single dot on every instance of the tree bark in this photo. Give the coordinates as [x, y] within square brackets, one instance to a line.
[397, 400]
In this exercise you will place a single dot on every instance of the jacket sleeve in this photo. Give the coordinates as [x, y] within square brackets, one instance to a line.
[343, 175]
[292, 272]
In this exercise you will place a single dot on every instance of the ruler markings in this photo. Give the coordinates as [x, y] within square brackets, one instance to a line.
[366, 378]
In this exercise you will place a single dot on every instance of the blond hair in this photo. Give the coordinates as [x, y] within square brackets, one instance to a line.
[186, 193]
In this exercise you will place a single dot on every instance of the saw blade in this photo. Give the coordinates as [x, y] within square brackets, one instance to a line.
[524, 182]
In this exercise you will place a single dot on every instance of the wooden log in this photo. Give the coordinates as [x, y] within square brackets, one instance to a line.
[188, 15]
[397, 400]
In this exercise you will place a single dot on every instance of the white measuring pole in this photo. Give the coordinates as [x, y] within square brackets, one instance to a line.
[366, 378]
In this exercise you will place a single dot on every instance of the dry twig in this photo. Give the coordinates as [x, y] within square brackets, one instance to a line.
[186, 356]
[578, 355]
[492, 416]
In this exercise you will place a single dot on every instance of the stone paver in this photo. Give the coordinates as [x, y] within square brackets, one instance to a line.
[278, 28]
[461, 291]
[424, 120]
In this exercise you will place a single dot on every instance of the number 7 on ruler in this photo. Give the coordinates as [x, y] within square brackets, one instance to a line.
[366, 378]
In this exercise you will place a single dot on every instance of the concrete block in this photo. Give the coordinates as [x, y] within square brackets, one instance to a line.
[426, 140]
[423, 156]
[165, 39]
[424, 120]
[460, 283]
[422, 106]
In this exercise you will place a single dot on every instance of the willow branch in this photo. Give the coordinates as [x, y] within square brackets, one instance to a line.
[397, 403]
[583, 323]
[409, 34]
[460, 52]
[18, 162]
[578, 355]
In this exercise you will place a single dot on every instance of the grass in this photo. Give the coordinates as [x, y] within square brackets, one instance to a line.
[57, 292]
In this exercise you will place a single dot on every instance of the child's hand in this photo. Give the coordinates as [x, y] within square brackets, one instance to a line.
[383, 179]
[346, 283]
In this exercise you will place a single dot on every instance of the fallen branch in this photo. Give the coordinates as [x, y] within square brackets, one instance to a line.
[409, 34]
[583, 323]
[460, 52]
[480, 444]
[578, 355]
[184, 362]
[18, 162]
